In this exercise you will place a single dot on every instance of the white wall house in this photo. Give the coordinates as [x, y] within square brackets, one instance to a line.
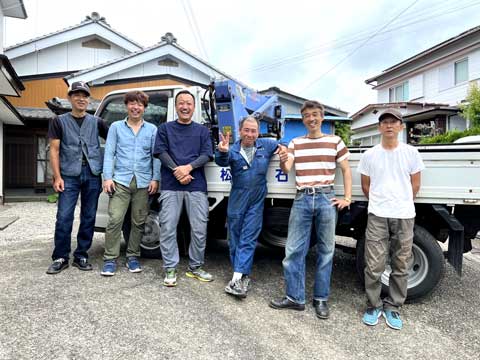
[87, 44]
[439, 76]
[164, 58]
[10, 84]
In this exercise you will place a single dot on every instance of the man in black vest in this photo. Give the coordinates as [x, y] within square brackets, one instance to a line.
[76, 162]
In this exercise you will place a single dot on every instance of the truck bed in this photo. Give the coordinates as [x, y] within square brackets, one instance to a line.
[452, 176]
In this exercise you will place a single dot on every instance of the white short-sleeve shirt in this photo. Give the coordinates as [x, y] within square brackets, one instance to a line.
[390, 192]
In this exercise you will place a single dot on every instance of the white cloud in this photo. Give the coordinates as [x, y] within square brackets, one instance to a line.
[307, 38]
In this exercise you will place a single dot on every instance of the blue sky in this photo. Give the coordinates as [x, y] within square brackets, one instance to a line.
[322, 50]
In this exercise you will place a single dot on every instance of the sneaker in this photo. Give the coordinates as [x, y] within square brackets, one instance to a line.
[236, 289]
[247, 283]
[133, 264]
[393, 320]
[170, 277]
[57, 266]
[199, 274]
[371, 316]
[109, 268]
[82, 264]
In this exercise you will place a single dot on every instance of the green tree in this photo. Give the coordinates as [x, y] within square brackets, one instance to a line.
[471, 109]
[342, 129]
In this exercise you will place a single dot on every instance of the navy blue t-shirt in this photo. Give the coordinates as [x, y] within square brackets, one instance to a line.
[184, 143]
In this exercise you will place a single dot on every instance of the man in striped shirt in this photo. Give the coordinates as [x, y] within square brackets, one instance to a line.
[316, 157]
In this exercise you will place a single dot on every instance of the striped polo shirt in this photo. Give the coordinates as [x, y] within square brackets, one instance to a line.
[316, 159]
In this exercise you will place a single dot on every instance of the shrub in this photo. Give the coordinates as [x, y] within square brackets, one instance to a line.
[450, 136]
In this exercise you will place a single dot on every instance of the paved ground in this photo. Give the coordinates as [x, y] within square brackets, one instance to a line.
[77, 315]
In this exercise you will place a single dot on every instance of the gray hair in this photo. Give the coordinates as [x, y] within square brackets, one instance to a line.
[249, 118]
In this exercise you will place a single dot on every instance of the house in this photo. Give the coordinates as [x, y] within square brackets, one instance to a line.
[94, 52]
[10, 84]
[427, 87]
[293, 120]
[41, 63]
[90, 50]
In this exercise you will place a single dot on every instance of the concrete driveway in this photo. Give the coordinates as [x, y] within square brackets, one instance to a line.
[77, 315]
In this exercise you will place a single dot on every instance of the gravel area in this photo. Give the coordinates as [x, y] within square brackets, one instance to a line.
[81, 315]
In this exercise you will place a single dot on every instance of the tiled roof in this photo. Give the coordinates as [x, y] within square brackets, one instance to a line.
[90, 20]
[167, 39]
[425, 52]
[29, 113]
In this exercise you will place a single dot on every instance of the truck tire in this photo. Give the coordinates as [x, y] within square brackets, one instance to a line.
[427, 269]
[275, 226]
[150, 244]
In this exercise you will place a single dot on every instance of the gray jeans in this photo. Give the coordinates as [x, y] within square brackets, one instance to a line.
[196, 204]
[384, 236]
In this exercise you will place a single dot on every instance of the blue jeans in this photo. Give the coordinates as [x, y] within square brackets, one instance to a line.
[307, 209]
[89, 187]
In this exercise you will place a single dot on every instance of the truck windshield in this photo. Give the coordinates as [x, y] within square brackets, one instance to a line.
[156, 112]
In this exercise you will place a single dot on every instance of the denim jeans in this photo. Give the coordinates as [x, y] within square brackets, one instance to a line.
[306, 209]
[89, 187]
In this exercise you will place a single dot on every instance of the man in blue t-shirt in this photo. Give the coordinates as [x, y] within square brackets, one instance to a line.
[183, 147]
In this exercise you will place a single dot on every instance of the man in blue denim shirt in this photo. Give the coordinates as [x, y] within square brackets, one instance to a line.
[130, 174]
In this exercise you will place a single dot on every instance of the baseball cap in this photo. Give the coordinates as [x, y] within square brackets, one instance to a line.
[391, 112]
[78, 86]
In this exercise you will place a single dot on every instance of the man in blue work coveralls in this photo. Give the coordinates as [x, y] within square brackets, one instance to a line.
[248, 160]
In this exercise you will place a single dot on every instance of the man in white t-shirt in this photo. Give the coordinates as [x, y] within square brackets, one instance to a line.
[390, 173]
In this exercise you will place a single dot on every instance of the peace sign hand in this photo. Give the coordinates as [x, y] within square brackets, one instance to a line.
[224, 142]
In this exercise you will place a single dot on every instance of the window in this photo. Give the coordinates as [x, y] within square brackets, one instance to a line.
[44, 174]
[461, 71]
[155, 112]
[398, 93]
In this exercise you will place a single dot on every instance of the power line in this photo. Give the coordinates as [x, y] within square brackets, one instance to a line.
[194, 28]
[359, 47]
[197, 28]
[351, 40]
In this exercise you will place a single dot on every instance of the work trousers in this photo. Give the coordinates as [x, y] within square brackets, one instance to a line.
[117, 207]
[196, 204]
[386, 236]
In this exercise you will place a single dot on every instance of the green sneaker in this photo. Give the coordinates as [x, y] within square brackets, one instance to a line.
[170, 279]
[199, 274]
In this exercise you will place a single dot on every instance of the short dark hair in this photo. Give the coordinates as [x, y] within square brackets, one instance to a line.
[249, 118]
[313, 104]
[136, 95]
[184, 92]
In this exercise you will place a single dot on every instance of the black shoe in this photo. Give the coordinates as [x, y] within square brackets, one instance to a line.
[286, 303]
[82, 264]
[321, 309]
[236, 289]
[57, 266]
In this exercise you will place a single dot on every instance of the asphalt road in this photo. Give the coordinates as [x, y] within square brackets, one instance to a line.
[78, 315]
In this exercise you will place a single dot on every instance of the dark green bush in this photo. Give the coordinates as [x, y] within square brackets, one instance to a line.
[450, 136]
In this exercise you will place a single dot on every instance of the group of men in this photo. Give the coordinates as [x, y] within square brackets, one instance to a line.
[138, 156]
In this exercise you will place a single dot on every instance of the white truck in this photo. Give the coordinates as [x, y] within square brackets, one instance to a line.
[447, 206]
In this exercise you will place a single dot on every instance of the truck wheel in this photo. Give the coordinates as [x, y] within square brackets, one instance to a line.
[427, 268]
[275, 226]
[150, 244]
